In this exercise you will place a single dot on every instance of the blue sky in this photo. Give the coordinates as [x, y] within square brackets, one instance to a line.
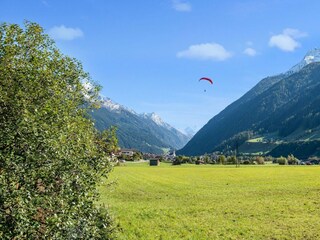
[149, 55]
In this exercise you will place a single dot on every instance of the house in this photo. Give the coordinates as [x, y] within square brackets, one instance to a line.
[154, 162]
[127, 152]
[170, 156]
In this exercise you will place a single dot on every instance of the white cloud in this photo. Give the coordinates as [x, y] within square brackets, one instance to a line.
[181, 6]
[295, 33]
[65, 33]
[286, 41]
[250, 52]
[206, 51]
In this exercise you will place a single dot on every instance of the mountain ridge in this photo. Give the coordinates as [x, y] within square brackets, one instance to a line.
[272, 105]
[145, 132]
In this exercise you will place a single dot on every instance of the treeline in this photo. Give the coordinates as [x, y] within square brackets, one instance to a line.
[232, 160]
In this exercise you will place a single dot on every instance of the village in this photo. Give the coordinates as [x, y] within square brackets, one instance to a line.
[230, 158]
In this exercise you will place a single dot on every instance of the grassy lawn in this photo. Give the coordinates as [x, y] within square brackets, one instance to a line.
[215, 202]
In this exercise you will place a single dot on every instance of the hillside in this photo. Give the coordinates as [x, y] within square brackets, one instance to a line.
[144, 132]
[280, 109]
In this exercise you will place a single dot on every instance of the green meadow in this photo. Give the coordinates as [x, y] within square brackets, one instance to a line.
[214, 202]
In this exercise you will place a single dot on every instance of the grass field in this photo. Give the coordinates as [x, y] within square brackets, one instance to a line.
[215, 202]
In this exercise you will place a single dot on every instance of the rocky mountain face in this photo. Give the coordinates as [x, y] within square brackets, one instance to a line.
[279, 110]
[145, 132]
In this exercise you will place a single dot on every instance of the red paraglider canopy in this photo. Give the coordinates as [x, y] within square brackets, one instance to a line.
[207, 79]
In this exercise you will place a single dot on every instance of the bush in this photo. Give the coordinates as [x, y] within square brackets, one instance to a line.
[51, 156]
[282, 161]
[176, 161]
[259, 160]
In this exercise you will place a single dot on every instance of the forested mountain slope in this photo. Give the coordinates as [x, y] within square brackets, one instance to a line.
[286, 107]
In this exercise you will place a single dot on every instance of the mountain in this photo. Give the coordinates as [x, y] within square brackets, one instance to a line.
[145, 132]
[311, 57]
[279, 110]
[189, 132]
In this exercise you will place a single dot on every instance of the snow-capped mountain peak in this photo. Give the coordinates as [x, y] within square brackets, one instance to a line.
[155, 118]
[146, 132]
[108, 103]
[311, 57]
[113, 106]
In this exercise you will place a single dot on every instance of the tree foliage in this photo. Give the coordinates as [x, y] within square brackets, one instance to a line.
[51, 157]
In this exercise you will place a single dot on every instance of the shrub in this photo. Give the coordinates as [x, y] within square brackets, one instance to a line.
[51, 156]
[176, 161]
[259, 160]
[282, 161]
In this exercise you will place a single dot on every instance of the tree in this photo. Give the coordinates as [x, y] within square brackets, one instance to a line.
[51, 157]
[177, 160]
[206, 159]
[259, 160]
[292, 160]
[109, 141]
[282, 161]
[137, 156]
[232, 159]
[221, 159]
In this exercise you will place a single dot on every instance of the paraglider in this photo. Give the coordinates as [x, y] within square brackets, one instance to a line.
[206, 79]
